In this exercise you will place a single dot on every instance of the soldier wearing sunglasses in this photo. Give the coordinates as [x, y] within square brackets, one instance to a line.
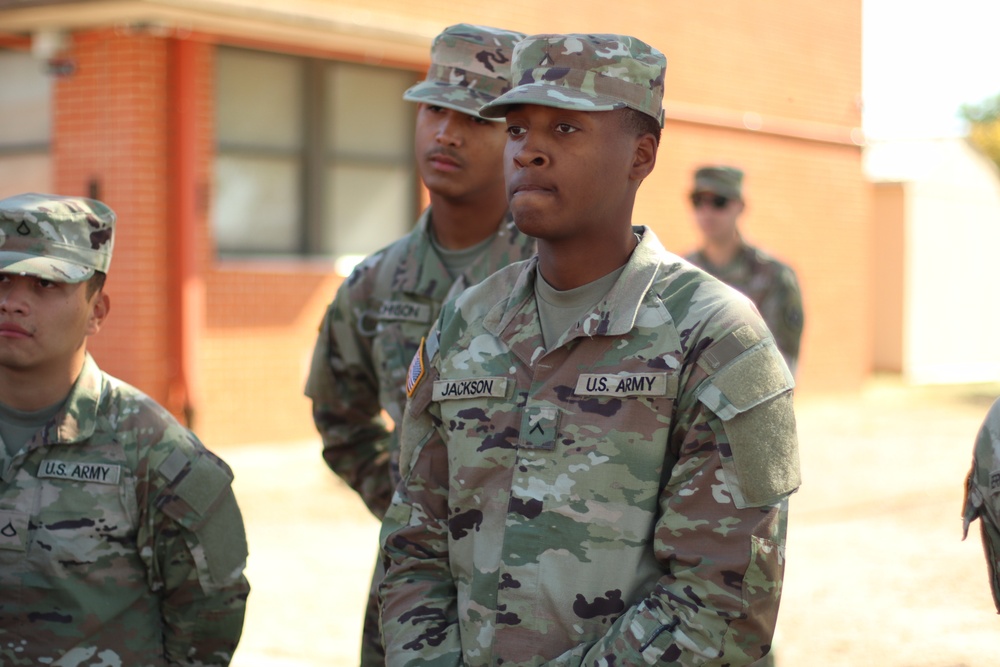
[717, 199]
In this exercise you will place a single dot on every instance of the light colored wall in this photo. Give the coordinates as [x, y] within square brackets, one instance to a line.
[953, 272]
[888, 273]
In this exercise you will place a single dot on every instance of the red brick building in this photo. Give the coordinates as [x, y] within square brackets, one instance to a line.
[251, 148]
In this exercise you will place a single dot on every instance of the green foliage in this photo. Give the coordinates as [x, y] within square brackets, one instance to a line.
[984, 126]
[987, 111]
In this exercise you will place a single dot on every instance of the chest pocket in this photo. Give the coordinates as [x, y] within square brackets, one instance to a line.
[83, 519]
[622, 417]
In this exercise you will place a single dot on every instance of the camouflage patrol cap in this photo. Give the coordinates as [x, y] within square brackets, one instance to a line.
[470, 66]
[720, 180]
[586, 73]
[58, 238]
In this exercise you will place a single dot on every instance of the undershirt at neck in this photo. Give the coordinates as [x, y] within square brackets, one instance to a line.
[18, 427]
[559, 310]
[457, 261]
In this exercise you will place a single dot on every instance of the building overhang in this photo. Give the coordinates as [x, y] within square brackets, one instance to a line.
[370, 36]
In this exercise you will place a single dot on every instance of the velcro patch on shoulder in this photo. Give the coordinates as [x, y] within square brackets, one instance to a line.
[222, 544]
[755, 376]
[202, 485]
[765, 452]
[727, 348]
[173, 464]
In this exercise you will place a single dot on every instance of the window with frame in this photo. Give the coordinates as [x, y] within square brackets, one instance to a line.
[313, 157]
[25, 124]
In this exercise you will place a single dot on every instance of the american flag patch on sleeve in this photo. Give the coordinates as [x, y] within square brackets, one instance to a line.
[416, 371]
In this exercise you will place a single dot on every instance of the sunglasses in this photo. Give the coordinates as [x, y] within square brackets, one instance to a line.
[718, 202]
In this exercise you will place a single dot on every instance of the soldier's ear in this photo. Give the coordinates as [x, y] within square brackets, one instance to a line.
[98, 312]
[644, 157]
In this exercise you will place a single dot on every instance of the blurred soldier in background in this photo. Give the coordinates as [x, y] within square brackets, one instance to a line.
[717, 199]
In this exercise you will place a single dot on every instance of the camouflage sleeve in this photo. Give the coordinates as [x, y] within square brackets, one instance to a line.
[781, 308]
[418, 596]
[193, 540]
[982, 500]
[721, 533]
[346, 408]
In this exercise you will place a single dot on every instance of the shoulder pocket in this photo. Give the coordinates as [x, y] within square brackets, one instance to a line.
[752, 396]
[202, 502]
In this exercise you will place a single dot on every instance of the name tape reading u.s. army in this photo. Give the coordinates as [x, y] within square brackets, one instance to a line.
[102, 473]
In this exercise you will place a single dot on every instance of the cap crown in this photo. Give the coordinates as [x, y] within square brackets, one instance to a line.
[59, 238]
[721, 179]
[470, 66]
[587, 73]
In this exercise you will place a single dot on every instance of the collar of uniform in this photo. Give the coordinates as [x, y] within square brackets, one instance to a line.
[629, 291]
[418, 275]
[78, 418]
[625, 297]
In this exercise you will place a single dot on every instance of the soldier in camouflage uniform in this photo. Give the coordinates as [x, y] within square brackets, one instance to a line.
[599, 442]
[717, 198]
[371, 330]
[120, 539]
[982, 495]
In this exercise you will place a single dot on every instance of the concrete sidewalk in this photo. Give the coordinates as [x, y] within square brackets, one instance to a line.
[877, 574]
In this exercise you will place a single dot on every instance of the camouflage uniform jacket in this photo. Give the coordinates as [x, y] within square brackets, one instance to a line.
[618, 499]
[773, 288]
[367, 338]
[120, 539]
[982, 495]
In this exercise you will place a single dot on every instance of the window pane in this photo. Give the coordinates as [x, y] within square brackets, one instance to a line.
[257, 205]
[25, 173]
[367, 114]
[259, 98]
[25, 97]
[368, 208]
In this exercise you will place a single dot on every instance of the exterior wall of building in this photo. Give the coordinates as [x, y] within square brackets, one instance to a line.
[954, 231]
[937, 225]
[110, 141]
[770, 89]
[888, 273]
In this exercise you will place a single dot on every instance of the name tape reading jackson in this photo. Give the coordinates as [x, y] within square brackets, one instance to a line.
[445, 390]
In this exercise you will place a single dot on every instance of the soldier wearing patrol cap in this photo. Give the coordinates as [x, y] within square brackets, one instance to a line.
[982, 495]
[120, 538]
[599, 443]
[371, 330]
[717, 200]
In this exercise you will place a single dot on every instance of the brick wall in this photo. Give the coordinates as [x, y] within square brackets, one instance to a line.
[808, 205]
[109, 133]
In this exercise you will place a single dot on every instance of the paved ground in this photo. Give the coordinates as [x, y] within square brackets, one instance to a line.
[877, 574]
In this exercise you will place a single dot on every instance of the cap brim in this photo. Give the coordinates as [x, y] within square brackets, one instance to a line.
[722, 191]
[457, 98]
[547, 95]
[47, 268]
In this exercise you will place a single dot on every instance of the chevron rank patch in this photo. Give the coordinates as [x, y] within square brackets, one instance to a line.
[416, 372]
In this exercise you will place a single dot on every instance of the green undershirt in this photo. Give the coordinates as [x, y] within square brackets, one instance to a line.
[560, 310]
[457, 261]
[17, 427]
